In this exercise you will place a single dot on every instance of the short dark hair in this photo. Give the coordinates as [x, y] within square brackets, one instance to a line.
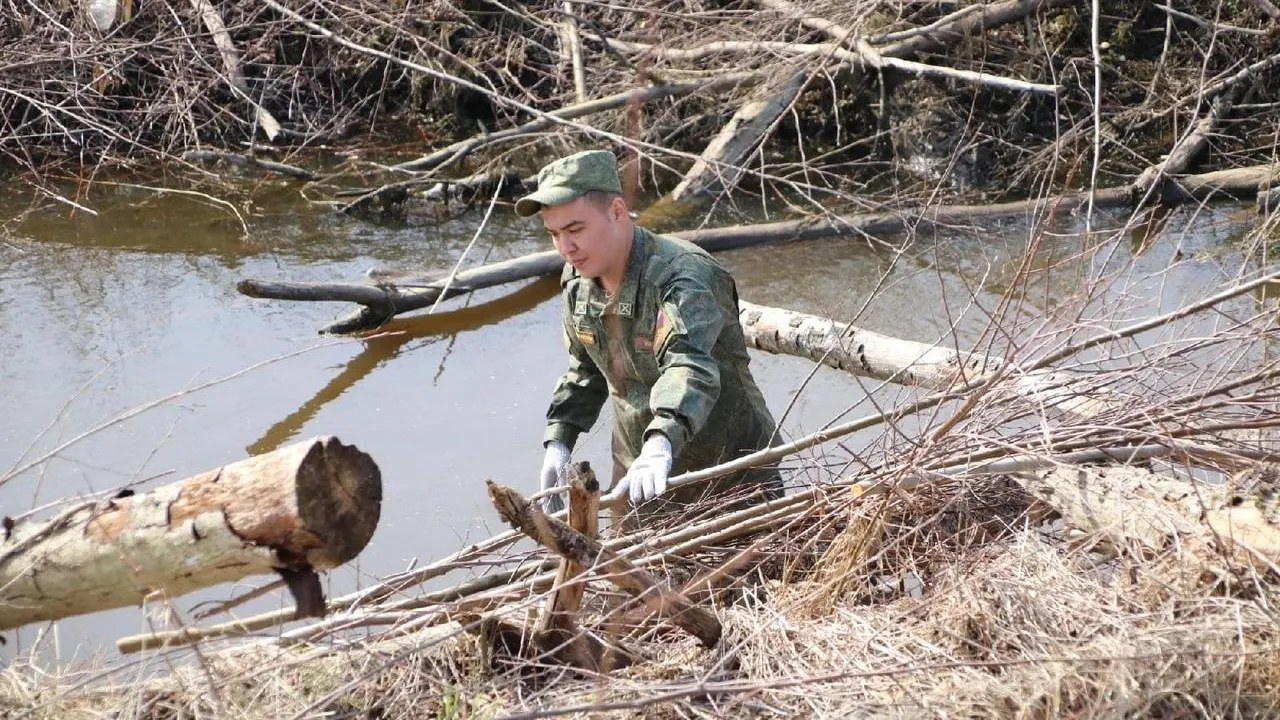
[601, 199]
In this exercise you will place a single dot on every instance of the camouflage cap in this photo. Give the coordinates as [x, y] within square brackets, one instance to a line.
[567, 178]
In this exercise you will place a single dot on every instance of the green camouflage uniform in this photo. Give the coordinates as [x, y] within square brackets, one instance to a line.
[668, 349]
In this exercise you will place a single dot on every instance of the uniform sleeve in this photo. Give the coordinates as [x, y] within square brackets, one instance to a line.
[689, 381]
[578, 396]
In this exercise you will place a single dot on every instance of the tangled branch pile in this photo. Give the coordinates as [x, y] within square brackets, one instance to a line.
[814, 96]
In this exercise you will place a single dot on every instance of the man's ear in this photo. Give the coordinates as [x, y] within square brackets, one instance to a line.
[618, 208]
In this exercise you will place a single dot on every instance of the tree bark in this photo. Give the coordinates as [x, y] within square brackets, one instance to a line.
[1136, 510]
[312, 505]
[567, 542]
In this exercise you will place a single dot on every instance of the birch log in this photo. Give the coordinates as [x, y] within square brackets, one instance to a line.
[869, 354]
[313, 505]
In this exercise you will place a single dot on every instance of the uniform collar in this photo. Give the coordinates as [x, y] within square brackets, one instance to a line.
[625, 300]
[626, 296]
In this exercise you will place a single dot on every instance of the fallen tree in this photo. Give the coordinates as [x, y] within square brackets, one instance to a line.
[382, 301]
[310, 506]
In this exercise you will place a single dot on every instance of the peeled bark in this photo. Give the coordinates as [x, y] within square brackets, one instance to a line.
[313, 505]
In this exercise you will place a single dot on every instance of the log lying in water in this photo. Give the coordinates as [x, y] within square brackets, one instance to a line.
[310, 506]
[905, 362]
[384, 301]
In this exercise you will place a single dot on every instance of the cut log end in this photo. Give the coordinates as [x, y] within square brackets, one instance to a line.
[339, 494]
[306, 507]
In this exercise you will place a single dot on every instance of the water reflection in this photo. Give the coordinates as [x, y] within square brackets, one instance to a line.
[387, 344]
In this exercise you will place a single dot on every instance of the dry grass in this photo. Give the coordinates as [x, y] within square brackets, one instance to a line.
[1006, 622]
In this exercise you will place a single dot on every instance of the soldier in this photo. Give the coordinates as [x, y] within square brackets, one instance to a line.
[652, 322]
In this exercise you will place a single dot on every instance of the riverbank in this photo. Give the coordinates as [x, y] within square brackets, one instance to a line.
[819, 105]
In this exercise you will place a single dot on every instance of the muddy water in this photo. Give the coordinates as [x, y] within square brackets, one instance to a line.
[104, 314]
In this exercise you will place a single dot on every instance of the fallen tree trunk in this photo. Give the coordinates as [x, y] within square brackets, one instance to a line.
[1135, 510]
[869, 354]
[411, 292]
[310, 506]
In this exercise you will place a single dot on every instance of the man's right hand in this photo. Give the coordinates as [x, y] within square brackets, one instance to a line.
[554, 465]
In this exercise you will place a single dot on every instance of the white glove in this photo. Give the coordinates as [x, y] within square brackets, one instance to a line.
[554, 464]
[647, 477]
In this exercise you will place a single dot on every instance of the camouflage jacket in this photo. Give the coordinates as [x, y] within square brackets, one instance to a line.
[668, 349]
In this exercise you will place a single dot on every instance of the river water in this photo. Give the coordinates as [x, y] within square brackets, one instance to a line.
[103, 314]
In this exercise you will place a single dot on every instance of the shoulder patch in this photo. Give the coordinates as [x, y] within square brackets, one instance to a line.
[665, 326]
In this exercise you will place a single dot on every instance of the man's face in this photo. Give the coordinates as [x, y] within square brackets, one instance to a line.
[585, 234]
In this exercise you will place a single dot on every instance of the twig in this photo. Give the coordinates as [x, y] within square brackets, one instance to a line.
[747, 47]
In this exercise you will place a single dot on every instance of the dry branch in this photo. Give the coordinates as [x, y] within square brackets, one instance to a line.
[720, 164]
[755, 47]
[313, 505]
[558, 537]
[248, 161]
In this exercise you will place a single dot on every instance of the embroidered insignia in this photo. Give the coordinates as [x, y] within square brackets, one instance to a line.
[661, 329]
[586, 337]
[624, 308]
[580, 307]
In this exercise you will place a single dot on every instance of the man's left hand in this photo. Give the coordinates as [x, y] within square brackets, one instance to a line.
[647, 477]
